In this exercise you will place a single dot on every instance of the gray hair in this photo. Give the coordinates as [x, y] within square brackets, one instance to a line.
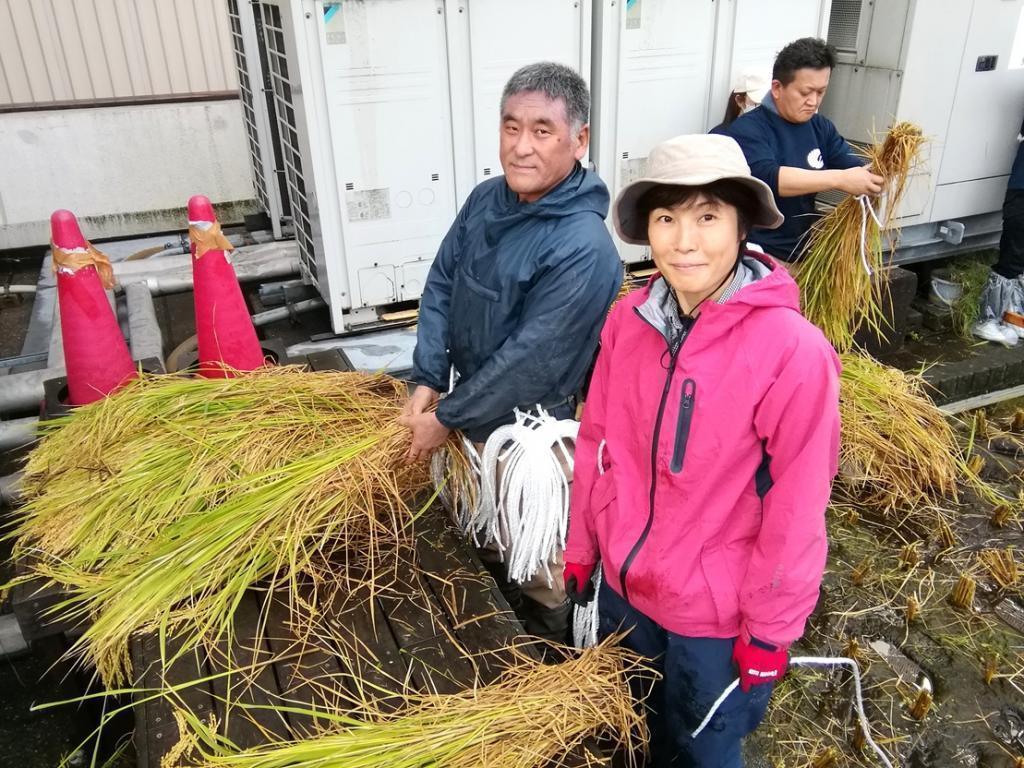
[556, 81]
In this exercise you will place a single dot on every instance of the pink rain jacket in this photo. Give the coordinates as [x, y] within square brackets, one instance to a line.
[701, 477]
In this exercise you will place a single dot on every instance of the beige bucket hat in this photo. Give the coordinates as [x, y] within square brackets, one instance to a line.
[691, 161]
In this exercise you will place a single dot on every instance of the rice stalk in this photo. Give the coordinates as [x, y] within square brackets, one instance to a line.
[839, 274]
[534, 715]
[156, 509]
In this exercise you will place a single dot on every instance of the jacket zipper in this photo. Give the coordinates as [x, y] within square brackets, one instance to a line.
[638, 545]
[683, 424]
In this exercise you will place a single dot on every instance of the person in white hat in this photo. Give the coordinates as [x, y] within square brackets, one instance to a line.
[748, 89]
[709, 440]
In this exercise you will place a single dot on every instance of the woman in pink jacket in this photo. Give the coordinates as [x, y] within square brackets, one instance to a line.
[706, 454]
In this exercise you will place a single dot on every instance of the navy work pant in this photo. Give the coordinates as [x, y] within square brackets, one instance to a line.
[1011, 243]
[695, 670]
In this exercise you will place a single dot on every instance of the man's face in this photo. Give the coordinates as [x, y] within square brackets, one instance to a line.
[799, 101]
[538, 146]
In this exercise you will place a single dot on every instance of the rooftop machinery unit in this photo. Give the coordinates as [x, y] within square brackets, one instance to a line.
[955, 68]
[258, 112]
[387, 112]
[662, 68]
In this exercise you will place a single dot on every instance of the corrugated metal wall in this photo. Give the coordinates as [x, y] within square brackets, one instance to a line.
[58, 51]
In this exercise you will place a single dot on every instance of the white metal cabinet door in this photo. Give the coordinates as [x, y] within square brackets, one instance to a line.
[386, 81]
[661, 53]
[505, 36]
[987, 107]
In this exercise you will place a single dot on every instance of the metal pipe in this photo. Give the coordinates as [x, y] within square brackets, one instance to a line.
[11, 639]
[287, 311]
[10, 489]
[17, 433]
[16, 289]
[143, 329]
[37, 337]
[24, 391]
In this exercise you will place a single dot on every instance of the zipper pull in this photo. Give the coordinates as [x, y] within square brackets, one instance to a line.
[689, 390]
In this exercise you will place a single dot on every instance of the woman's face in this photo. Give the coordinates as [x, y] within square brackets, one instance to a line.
[694, 245]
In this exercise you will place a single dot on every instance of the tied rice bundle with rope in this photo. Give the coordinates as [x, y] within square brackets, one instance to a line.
[534, 715]
[898, 451]
[157, 508]
[840, 288]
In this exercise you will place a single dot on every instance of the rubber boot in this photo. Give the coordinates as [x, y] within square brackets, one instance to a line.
[509, 589]
[551, 624]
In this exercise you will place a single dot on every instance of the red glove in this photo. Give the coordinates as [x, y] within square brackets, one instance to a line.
[758, 662]
[578, 586]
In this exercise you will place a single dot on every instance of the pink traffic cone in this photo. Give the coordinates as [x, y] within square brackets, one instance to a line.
[96, 356]
[227, 338]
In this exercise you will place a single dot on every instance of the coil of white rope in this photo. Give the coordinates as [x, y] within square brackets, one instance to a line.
[525, 476]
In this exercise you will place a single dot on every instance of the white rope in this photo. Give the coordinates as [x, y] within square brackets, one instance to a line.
[527, 516]
[585, 618]
[866, 208]
[813, 661]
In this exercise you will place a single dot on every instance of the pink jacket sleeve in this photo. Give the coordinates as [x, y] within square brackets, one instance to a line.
[798, 420]
[581, 545]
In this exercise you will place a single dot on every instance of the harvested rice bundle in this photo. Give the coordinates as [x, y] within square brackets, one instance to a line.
[157, 508]
[896, 447]
[534, 715]
[898, 451]
[840, 288]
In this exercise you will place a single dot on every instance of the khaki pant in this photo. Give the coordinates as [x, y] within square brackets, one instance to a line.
[537, 588]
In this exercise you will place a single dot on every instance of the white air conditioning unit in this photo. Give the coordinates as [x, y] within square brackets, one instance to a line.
[258, 112]
[663, 68]
[388, 116]
[956, 69]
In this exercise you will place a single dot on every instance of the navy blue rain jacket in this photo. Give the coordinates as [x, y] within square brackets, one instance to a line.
[515, 300]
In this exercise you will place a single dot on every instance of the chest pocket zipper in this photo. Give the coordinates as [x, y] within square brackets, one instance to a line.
[683, 424]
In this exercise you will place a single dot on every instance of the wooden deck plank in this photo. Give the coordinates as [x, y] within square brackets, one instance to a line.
[140, 710]
[251, 682]
[305, 673]
[375, 670]
[162, 731]
[437, 662]
[467, 596]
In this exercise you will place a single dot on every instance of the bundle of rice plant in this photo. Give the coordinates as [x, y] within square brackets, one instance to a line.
[838, 271]
[157, 508]
[534, 715]
[896, 447]
[898, 452]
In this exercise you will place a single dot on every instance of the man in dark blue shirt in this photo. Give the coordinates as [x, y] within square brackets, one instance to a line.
[796, 151]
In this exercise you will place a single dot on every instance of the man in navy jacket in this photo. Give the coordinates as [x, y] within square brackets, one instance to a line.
[517, 294]
[796, 151]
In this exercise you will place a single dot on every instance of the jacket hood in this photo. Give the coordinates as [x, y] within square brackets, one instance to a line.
[582, 191]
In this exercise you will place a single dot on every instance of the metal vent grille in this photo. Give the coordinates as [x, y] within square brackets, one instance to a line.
[248, 111]
[291, 157]
[843, 24]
